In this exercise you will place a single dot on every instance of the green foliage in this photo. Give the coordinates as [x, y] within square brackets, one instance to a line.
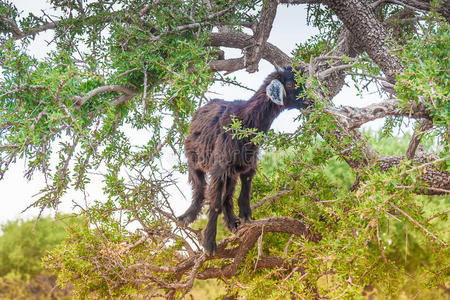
[426, 78]
[353, 227]
[23, 243]
[372, 234]
[40, 105]
[41, 286]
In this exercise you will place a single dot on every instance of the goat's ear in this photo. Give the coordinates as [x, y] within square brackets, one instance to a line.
[276, 92]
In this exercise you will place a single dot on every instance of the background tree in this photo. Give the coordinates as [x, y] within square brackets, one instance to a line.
[23, 244]
[123, 68]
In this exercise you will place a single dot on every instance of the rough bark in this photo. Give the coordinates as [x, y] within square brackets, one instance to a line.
[245, 239]
[444, 9]
[360, 20]
[354, 117]
[263, 28]
[424, 126]
[436, 182]
[240, 40]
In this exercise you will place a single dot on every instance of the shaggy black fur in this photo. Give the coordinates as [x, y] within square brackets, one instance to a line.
[210, 149]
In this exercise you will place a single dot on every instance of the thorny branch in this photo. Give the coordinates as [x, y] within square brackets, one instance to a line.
[354, 117]
[418, 224]
[128, 94]
[360, 34]
[233, 250]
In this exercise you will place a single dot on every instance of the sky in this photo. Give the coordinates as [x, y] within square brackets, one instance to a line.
[288, 29]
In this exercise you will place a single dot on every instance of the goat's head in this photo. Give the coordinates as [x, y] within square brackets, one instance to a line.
[282, 90]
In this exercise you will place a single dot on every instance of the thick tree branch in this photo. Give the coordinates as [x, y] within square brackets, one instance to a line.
[246, 238]
[240, 40]
[437, 180]
[354, 117]
[249, 234]
[363, 24]
[444, 9]
[263, 28]
[229, 65]
[18, 34]
[15, 30]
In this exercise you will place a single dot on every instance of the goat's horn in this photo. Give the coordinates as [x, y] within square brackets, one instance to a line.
[279, 69]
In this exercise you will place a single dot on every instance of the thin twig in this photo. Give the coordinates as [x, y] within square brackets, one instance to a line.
[127, 72]
[406, 244]
[437, 215]
[379, 244]
[271, 198]
[424, 165]
[260, 252]
[324, 74]
[286, 248]
[418, 224]
[408, 187]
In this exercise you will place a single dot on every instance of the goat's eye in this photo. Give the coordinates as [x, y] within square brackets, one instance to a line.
[290, 85]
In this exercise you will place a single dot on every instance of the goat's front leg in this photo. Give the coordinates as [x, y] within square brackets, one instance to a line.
[229, 217]
[245, 212]
[215, 195]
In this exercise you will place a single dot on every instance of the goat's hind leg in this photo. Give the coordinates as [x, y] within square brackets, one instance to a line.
[215, 194]
[197, 179]
[229, 217]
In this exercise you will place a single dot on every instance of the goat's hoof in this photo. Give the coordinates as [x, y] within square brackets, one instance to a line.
[234, 225]
[245, 220]
[210, 248]
[186, 219]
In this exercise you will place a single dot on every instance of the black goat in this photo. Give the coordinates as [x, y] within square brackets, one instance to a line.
[211, 149]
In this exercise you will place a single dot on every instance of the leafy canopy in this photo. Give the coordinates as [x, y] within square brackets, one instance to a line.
[113, 102]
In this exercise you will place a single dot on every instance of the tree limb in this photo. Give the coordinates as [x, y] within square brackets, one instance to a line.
[17, 35]
[229, 65]
[354, 117]
[128, 94]
[438, 181]
[424, 126]
[263, 28]
[363, 24]
[247, 235]
[240, 40]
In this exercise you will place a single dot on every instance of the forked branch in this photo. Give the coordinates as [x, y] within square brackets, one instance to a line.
[128, 94]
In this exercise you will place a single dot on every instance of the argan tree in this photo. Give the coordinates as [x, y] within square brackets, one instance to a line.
[125, 68]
